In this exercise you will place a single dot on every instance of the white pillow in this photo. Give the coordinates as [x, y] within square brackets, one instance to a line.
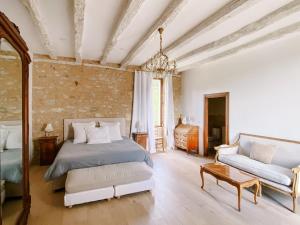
[97, 135]
[14, 137]
[3, 137]
[227, 149]
[80, 132]
[114, 130]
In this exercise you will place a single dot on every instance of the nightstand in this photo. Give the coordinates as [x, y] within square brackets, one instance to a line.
[141, 138]
[48, 149]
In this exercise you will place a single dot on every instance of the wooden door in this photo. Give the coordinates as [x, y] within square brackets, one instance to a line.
[205, 133]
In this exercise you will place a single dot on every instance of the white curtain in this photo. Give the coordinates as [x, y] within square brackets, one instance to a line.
[142, 115]
[169, 123]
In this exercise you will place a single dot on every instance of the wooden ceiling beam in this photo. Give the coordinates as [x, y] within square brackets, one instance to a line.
[273, 36]
[79, 6]
[167, 16]
[125, 19]
[34, 11]
[230, 9]
[227, 11]
[265, 21]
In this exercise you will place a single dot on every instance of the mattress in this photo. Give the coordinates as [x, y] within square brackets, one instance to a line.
[75, 156]
[11, 165]
[106, 176]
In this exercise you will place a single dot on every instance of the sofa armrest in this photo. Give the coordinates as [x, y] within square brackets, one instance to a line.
[226, 149]
[296, 182]
[296, 169]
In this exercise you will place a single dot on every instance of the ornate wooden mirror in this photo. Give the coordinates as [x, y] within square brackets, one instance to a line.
[14, 141]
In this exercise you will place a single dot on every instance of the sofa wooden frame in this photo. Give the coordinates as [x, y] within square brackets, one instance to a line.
[296, 171]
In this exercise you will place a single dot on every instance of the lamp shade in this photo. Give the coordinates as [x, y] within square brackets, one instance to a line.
[49, 128]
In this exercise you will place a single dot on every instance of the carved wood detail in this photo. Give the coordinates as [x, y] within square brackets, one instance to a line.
[10, 32]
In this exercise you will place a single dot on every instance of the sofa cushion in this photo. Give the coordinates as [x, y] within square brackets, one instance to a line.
[227, 149]
[262, 153]
[270, 172]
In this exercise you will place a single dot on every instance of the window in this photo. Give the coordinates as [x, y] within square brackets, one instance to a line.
[157, 101]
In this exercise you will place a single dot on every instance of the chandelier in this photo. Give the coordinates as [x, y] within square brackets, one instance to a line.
[160, 64]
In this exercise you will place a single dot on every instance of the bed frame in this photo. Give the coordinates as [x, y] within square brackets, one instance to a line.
[59, 183]
[104, 193]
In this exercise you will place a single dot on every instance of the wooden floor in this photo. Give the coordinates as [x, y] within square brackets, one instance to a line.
[11, 210]
[177, 200]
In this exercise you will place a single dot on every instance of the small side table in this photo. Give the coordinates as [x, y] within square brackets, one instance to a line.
[48, 149]
[141, 138]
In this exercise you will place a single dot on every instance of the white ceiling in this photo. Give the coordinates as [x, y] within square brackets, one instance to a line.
[101, 17]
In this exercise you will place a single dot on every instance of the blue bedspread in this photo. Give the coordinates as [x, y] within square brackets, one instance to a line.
[75, 156]
[11, 165]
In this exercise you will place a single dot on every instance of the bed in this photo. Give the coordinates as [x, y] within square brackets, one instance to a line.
[75, 156]
[11, 167]
[11, 172]
[108, 160]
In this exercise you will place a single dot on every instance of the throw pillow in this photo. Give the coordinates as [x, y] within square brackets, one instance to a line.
[262, 152]
[97, 135]
[80, 131]
[3, 137]
[114, 130]
[14, 137]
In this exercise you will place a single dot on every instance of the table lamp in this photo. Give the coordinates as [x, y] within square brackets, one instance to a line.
[48, 129]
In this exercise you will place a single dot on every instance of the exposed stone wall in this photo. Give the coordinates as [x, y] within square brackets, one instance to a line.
[73, 91]
[10, 86]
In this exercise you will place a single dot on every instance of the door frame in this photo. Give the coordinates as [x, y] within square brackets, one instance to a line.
[205, 133]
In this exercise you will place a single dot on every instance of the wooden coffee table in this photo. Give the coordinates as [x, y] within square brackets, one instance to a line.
[232, 176]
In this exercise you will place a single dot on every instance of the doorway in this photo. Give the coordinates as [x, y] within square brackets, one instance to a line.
[157, 103]
[216, 121]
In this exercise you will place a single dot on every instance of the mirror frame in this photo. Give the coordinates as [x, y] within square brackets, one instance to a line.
[11, 33]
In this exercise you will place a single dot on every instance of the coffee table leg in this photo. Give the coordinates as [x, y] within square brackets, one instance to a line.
[202, 178]
[256, 192]
[259, 194]
[239, 189]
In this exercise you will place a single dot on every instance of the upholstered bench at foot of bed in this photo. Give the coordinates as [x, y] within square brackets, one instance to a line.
[104, 182]
[88, 196]
[125, 189]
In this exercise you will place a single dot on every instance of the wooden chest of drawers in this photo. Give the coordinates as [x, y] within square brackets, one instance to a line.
[186, 137]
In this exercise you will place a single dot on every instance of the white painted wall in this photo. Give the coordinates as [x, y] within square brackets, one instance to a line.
[264, 86]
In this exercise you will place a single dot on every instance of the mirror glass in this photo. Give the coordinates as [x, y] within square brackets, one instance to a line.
[10, 132]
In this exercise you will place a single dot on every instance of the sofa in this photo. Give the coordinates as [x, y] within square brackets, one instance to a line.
[276, 162]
